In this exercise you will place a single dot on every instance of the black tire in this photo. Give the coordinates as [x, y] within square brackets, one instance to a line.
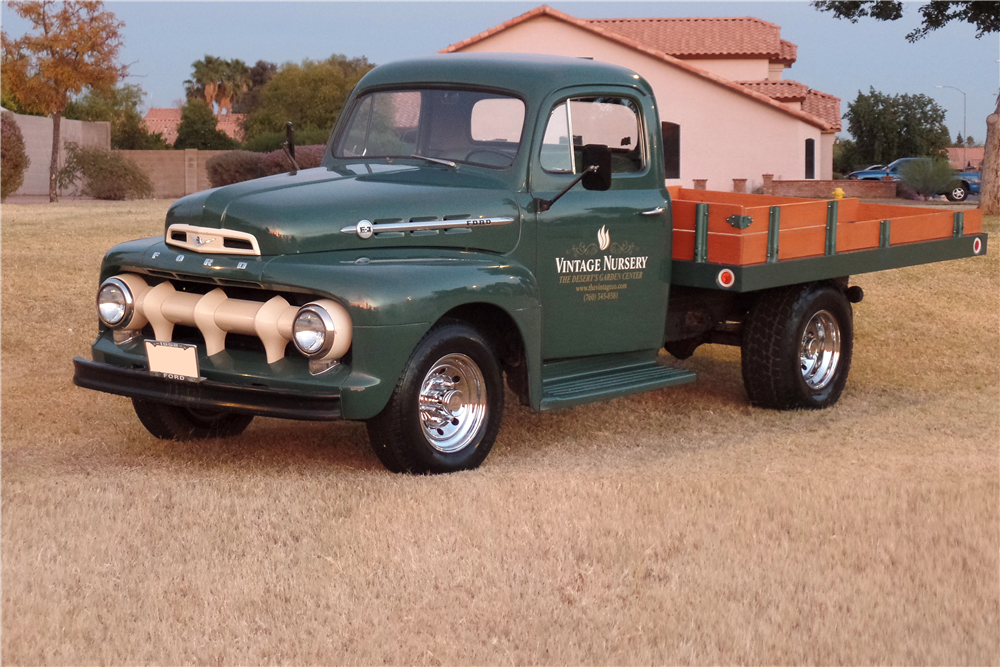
[455, 430]
[958, 193]
[172, 422]
[788, 335]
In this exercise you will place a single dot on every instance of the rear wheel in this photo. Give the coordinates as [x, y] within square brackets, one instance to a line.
[958, 193]
[172, 422]
[797, 347]
[445, 411]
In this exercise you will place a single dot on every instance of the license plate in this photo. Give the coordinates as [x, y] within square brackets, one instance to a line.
[176, 361]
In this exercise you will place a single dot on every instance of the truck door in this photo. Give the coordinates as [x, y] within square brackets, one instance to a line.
[600, 254]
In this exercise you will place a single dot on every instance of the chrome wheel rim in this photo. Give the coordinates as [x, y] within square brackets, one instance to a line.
[819, 351]
[452, 403]
[958, 193]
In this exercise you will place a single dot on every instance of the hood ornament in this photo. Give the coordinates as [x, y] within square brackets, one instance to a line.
[199, 241]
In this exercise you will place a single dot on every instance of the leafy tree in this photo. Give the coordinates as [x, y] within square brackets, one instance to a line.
[199, 129]
[984, 15]
[311, 95]
[120, 107]
[889, 127]
[72, 46]
[845, 156]
[260, 74]
[959, 141]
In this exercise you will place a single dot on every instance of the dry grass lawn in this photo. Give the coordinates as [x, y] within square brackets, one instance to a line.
[679, 526]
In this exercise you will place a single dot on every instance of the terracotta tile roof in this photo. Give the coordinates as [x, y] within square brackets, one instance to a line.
[789, 52]
[166, 121]
[784, 91]
[973, 155]
[705, 37]
[821, 105]
[545, 10]
[825, 106]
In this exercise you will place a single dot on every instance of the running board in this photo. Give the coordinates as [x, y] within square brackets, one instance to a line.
[589, 379]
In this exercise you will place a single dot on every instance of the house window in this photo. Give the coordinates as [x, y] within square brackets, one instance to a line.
[671, 149]
[810, 158]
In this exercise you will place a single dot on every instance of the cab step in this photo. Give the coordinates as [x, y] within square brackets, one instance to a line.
[584, 380]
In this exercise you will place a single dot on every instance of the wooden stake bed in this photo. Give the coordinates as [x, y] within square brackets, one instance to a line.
[740, 230]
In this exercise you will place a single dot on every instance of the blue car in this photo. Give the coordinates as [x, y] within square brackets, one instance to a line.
[968, 181]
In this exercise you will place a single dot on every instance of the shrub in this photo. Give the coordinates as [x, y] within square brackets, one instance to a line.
[234, 167]
[105, 174]
[13, 158]
[199, 129]
[927, 176]
[239, 166]
[271, 141]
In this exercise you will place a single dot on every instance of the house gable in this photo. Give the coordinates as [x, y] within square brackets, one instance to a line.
[475, 43]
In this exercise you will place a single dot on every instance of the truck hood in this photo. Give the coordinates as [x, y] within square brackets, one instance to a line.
[307, 212]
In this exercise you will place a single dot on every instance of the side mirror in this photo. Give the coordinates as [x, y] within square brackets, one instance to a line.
[599, 156]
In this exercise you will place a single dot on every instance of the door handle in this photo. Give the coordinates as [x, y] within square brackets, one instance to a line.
[656, 211]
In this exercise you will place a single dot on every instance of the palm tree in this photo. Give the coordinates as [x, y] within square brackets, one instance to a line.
[235, 81]
[207, 76]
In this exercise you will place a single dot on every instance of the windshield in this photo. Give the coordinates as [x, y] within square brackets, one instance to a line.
[456, 126]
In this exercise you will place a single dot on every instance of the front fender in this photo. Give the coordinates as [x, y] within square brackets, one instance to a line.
[394, 297]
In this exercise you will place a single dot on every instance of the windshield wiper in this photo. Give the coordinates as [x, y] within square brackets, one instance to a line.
[447, 163]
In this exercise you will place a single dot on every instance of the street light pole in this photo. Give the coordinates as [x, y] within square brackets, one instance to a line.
[965, 135]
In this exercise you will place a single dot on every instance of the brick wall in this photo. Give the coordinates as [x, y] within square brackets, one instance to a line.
[174, 173]
[820, 189]
[37, 131]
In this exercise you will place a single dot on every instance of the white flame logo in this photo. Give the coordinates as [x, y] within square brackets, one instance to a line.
[603, 238]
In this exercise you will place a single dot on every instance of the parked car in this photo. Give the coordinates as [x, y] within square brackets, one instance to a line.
[968, 181]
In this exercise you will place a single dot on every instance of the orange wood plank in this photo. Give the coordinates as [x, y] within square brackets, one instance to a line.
[683, 246]
[797, 243]
[736, 249]
[714, 196]
[973, 223]
[859, 235]
[684, 215]
[921, 228]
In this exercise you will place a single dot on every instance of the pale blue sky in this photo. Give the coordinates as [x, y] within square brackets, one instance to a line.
[162, 39]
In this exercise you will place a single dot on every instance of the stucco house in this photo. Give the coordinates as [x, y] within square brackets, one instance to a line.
[725, 108]
[166, 122]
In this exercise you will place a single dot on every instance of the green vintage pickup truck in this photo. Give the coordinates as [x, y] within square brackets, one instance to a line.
[476, 218]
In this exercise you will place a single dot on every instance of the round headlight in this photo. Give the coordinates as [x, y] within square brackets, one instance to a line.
[114, 303]
[313, 331]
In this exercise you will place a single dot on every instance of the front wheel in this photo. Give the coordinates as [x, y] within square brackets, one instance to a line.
[797, 347]
[445, 411]
[957, 193]
[172, 422]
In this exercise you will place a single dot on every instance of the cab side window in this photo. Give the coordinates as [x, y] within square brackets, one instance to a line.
[611, 121]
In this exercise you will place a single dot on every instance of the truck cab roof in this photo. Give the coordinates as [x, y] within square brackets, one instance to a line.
[533, 76]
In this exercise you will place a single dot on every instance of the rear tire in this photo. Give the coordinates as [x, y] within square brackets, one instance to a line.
[797, 347]
[445, 412]
[172, 422]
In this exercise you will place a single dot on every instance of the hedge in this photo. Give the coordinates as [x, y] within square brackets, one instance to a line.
[239, 166]
[14, 159]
